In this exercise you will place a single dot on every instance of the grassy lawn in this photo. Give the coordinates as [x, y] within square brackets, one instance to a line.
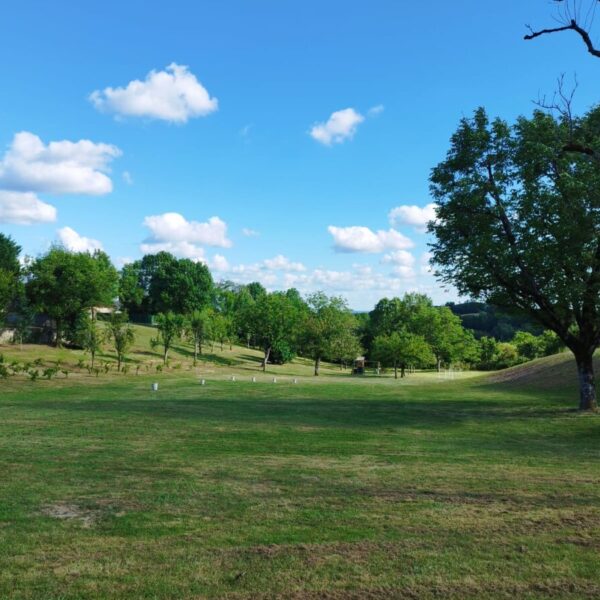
[330, 488]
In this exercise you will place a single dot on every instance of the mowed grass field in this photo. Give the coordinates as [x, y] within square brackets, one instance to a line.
[334, 487]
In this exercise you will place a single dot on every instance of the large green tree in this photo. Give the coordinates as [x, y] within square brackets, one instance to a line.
[159, 283]
[10, 270]
[450, 342]
[518, 223]
[276, 319]
[402, 349]
[63, 284]
[327, 328]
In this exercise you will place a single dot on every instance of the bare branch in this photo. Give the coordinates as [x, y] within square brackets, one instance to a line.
[574, 26]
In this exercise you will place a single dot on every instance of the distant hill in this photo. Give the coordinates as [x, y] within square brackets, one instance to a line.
[491, 321]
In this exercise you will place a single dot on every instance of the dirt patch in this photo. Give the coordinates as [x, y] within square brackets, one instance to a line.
[87, 514]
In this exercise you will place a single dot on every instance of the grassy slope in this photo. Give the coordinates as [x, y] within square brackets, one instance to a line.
[213, 361]
[332, 488]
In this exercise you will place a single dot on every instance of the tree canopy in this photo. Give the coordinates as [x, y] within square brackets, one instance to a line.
[9, 271]
[63, 284]
[159, 283]
[518, 223]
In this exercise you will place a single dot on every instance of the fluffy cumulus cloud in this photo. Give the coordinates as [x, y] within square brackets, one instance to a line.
[363, 239]
[71, 240]
[180, 249]
[173, 227]
[403, 263]
[413, 216]
[24, 208]
[173, 95]
[62, 167]
[219, 263]
[282, 263]
[341, 126]
[171, 232]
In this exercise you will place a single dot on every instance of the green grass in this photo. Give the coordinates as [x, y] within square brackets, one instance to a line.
[331, 488]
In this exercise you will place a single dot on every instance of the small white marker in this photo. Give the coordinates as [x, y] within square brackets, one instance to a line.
[155, 387]
[254, 380]
[274, 379]
[295, 380]
[202, 382]
[233, 378]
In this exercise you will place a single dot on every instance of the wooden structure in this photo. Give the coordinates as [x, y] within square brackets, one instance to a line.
[362, 366]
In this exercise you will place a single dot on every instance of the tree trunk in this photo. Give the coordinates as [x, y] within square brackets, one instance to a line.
[439, 364]
[587, 383]
[58, 333]
[221, 345]
[402, 371]
[317, 365]
[266, 359]
[195, 353]
[165, 356]
[93, 354]
[396, 370]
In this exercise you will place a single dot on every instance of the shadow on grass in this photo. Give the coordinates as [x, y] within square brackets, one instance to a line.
[207, 357]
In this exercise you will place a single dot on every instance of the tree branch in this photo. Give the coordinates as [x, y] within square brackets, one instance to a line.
[573, 26]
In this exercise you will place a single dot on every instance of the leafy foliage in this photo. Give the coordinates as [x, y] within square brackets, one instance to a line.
[63, 284]
[518, 223]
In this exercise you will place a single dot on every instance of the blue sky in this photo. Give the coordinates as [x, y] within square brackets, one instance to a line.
[299, 120]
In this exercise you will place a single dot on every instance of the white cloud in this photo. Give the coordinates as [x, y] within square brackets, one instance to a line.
[245, 130]
[403, 262]
[57, 168]
[174, 228]
[376, 110]
[426, 268]
[412, 215]
[71, 240]
[341, 126]
[127, 178]
[180, 249]
[404, 271]
[282, 263]
[173, 95]
[250, 232]
[400, 258]
[171, 232]
[363, 239]
[219, 263]
[123, 260]
[24, 208]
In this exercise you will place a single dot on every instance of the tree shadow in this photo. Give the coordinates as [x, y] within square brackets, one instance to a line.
[207, 357]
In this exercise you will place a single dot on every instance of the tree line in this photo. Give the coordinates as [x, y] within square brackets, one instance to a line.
[180, 298]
